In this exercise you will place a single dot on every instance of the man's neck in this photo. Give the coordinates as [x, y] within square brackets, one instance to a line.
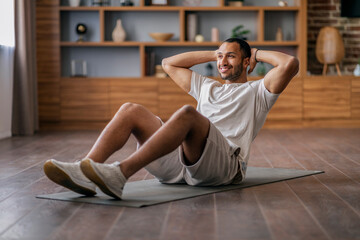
[241, 79]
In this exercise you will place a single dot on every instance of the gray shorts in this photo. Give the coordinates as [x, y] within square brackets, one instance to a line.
[218, 164]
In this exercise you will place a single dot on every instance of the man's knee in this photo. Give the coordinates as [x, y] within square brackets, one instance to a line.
[186, 111]
[130, 108]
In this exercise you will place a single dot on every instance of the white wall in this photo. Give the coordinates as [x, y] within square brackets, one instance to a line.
[6, 89]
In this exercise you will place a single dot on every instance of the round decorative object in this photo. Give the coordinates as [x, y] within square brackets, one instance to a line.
[199, 38]
[161, 37]
[236, 3]
[329, 46]
[81, 29]
[282, 3]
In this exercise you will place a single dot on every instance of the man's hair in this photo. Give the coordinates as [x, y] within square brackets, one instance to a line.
[244, 46]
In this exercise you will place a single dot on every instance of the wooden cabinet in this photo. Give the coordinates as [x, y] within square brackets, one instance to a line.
[355, 98]
[289, 104]
[84, 99]
[327, 97]
[171, 98]
[136, 90]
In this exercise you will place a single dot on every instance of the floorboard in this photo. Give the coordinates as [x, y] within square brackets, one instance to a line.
[324, 206]
[284, 211]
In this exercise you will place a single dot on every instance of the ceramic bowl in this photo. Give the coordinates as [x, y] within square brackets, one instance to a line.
[161, 37]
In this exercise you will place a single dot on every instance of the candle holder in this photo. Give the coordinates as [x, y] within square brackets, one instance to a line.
[78, 68]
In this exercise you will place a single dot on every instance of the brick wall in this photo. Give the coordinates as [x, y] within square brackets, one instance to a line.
[327, 13]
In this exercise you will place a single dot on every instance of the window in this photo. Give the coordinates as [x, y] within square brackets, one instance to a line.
[7, 28]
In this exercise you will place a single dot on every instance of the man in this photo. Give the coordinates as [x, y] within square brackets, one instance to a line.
[206, 146]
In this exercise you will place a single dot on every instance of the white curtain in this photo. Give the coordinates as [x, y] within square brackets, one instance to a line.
[6, 89]
[6, 65]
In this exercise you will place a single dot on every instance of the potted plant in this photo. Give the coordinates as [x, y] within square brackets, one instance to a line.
[239, 32]
[235, 3]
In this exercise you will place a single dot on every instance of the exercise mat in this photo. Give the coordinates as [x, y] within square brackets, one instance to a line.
[150, 192]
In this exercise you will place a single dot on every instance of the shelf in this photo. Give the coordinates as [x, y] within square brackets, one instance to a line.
[99, 44]
[169, 44]
[179, 8]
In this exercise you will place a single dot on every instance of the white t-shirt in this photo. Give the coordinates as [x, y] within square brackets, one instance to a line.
[238, 110]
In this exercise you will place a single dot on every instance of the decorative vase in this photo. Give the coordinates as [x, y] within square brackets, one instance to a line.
[279, 35]
[215, 34]
[118, 34]
[191, 26]
[357, 70]
[74, 3]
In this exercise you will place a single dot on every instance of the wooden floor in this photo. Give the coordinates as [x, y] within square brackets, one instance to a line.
[324, 206]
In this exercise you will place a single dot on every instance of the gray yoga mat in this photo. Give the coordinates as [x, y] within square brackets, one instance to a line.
[150, 192]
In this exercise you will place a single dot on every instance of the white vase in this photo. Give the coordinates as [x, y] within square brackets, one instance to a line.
[74, 3]
[357, 70]
[191, 26]
[118, 34]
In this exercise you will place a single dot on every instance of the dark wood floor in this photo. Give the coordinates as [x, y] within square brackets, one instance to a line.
[325, 206]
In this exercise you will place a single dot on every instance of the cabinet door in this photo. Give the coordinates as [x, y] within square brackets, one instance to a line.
[289, 104]
[84, 99]
[136, 90]
[171, 98]
[327, 97]
[49, 101]
[355, 98]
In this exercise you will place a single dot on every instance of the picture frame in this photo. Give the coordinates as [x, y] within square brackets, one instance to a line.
[159, 2]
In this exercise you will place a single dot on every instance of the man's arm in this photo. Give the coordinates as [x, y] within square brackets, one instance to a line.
[285, 68]
[177, 67]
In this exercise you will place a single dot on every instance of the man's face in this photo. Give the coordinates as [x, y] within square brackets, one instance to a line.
[230, 61]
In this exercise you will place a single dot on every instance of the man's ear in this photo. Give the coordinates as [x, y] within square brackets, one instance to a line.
[246, 62]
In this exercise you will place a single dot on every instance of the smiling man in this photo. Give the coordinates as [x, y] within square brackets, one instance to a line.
[206, 146]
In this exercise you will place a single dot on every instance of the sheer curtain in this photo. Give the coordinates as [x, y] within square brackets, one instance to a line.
[6, 87]
[25, 113]
[6, 66]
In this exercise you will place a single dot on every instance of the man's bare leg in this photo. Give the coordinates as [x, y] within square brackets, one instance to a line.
[131, 118]
[186, 127]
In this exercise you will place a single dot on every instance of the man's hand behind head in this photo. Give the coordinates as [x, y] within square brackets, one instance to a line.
[252, 60]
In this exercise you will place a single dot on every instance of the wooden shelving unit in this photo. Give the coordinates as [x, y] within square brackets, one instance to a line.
[259, 11]
[63, 101]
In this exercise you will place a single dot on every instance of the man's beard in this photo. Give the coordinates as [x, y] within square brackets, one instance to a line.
[235, 75]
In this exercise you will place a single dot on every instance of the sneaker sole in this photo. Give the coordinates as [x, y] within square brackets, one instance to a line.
[90, 173]
[58, 176]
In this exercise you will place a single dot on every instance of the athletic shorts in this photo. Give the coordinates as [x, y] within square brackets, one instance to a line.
[218, 164]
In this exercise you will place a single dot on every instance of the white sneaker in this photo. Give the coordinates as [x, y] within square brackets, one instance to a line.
[108, 177]
[70, 176]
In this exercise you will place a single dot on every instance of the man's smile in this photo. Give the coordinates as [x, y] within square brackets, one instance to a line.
[223, 69]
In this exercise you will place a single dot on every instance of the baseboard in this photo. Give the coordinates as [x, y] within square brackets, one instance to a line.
[5, 134]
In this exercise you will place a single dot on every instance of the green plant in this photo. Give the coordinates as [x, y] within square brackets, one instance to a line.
[261, 69]
[239, 32]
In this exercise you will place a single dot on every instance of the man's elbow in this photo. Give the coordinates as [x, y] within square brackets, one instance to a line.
[293, 66]
[165, 64]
